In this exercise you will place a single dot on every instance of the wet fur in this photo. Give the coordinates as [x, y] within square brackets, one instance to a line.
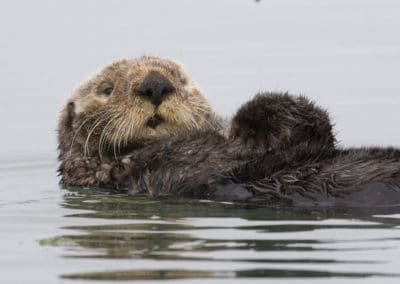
[95, 129]
[306, 174]
[280, 150]
[295, 172]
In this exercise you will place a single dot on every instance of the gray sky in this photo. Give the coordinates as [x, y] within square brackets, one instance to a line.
[344, 54]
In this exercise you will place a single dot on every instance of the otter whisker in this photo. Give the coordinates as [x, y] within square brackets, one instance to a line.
[103, 134]
[109, 129]
[86, 146]
[123, 139]
[102, 140]
[117, 136]
[77, 131]
[192, 121]
[125, 126]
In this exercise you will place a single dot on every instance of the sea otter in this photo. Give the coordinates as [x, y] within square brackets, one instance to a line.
[127, 105]
[305, 168]
[132, 111]
[143, 125]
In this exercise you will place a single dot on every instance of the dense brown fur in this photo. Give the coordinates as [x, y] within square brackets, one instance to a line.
[295, 172]
[280, 149]
[305, 174]
[192, 165]
[315, 175]
[272, 120]
[110, 114]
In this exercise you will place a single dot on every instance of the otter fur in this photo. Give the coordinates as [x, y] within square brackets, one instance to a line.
[295, 172]
[143, 126]
[314, 175]
[126, 105]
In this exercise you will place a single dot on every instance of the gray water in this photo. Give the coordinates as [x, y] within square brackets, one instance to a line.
[343, 54]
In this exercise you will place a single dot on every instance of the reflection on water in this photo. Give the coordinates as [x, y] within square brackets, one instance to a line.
[168, 239]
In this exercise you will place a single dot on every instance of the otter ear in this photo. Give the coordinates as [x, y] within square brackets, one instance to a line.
[69, 114]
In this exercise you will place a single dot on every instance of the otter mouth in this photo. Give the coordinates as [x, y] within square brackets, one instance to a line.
[155, 121]
[126, 149]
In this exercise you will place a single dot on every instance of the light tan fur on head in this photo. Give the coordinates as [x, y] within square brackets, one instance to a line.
[108, 112]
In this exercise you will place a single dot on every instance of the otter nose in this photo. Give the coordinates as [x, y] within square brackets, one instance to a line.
[156, 88]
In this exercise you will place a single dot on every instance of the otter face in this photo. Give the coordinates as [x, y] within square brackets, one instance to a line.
[130, 102]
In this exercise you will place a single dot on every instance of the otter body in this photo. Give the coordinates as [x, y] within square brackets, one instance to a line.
[307, 173]
[143, 126]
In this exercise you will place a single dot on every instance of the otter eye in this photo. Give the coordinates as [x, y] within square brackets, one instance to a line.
[108, 91]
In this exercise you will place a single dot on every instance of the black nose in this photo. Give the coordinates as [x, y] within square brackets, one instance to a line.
[156, 88]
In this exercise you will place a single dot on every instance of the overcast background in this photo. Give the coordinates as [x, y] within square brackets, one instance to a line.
[343, 53]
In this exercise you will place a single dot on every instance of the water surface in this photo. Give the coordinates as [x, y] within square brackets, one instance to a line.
[78, 234]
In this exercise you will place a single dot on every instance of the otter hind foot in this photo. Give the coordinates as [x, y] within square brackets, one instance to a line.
[231, 192]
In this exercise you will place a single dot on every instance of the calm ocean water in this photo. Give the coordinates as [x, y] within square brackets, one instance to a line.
[343, 54]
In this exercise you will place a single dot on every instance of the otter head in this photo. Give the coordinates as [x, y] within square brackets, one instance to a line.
[131, 102]
[278, 120]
